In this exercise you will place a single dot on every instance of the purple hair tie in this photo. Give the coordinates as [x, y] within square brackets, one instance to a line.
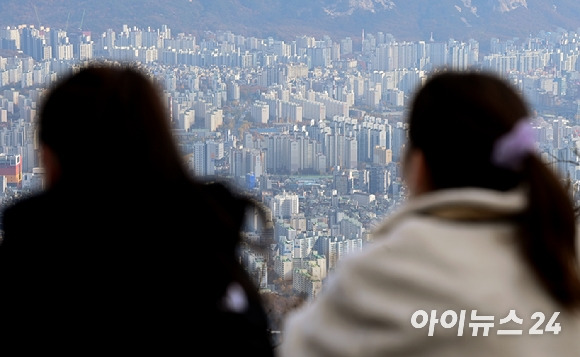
[511, 148]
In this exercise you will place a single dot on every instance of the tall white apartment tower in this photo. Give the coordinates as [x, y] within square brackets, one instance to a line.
[285, 205]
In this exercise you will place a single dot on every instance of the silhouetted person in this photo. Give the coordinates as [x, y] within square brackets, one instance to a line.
[124, 248]
[487, 236]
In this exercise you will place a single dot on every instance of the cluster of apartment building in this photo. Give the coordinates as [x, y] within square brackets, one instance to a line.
[264, 111]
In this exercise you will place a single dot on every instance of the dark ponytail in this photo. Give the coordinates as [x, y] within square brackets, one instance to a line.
[548, 234]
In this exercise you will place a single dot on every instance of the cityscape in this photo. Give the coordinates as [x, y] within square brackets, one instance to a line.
[313, 128]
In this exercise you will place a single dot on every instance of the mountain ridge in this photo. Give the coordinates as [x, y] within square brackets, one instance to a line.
[409, 20]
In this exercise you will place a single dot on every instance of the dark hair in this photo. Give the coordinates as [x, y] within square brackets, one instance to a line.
[455, 119]
[110, 117]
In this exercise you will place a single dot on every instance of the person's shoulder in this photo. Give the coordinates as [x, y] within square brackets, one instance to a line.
[223, 194]
[203, 191]
[224, 202]
[28, 206]
[60, 215]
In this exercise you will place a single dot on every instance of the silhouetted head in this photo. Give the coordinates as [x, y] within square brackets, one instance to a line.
[455, 120]
[109, 124]
[471, 129]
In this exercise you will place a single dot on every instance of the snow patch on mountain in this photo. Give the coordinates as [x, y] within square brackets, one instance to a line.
[364, 5]
[469, 6]
[509, 5]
